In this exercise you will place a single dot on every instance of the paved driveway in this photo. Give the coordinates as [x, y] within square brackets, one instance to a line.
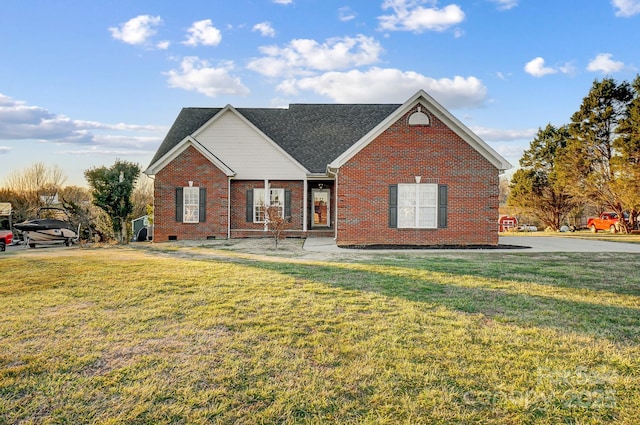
[560, 244]
[528, 244]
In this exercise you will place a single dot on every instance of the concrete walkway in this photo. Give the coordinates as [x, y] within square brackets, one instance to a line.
[528, 244]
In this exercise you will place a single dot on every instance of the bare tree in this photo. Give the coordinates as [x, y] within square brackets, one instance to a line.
[35, 187]
[504, 190]
[276, 223]
[142, 196]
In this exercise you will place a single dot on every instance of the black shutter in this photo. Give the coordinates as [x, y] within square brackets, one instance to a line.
[393, 206]
[287, 204]
[179, 206]
[202, 205]
[249, 206]
[442, 206]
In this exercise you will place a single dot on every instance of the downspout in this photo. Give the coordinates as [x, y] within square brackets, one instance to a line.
[335, 204]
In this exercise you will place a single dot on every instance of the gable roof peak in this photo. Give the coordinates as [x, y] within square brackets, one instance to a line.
[439, 111]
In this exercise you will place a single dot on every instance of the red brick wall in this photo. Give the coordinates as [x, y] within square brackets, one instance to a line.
[190, 166]
[241, 228]
[436, 154]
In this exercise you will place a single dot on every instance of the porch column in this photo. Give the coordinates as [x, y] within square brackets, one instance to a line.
[335, 203]
[267, 202]
[305, 188]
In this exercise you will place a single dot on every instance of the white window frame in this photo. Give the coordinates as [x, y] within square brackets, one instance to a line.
[276, 198]
[417, 206]
[191, 205]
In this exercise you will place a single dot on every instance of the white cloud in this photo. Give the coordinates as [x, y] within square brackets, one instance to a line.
[303, 56]
[345, 14]
[409, 15]
[163, 45]
[283, 1]
[505, 4]
[198, 75]
[204, 33]
[511, 151]
[136, 31]
[265, 29]
[536, 68]
[604, 63]
[95, 125]
[567, 68]
[389, 85]
[19, 121]
[504, 135]
[626, 8]
[100, 150]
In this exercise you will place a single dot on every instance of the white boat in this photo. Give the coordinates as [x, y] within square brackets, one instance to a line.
[50, 225]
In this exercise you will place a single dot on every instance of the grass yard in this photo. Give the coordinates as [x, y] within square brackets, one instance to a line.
[170, 334]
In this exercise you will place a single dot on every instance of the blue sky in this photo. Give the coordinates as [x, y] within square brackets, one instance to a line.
[83, 83]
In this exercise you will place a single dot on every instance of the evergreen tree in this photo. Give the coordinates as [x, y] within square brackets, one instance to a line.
[626, 164]
[536, 187]
[588, 166]
[111, 190]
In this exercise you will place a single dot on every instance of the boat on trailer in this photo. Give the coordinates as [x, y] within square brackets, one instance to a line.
[51, 225]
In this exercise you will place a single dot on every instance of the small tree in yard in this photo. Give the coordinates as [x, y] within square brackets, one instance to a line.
[276, 224]
[111, 190]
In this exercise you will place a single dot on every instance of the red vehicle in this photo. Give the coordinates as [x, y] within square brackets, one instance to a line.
[606, 221]
[6, 236]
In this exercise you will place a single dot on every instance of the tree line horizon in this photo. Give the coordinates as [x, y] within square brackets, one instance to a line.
[592, 161]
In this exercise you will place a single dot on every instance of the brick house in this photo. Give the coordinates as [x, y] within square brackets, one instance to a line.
[365, 174]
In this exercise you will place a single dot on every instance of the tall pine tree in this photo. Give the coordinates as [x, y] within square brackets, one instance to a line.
[588, 168]
[535, 187]
[626, 164]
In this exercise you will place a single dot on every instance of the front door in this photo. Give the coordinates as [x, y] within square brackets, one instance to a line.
[321, 209]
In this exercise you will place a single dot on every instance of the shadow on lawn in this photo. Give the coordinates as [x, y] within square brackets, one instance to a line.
[615, 323]
[605, 272]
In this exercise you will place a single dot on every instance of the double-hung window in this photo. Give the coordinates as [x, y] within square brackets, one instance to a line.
[418, 206]
[191, 204]
[276, 199]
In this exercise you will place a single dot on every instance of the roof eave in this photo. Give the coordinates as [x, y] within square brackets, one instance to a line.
[179, 148]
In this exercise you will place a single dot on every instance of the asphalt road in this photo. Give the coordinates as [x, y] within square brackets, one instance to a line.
[527, 244]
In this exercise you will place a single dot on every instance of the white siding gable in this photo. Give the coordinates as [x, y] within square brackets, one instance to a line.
[246, 150]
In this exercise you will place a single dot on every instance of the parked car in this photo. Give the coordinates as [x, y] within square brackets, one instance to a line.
[527, 228]
[606, 221]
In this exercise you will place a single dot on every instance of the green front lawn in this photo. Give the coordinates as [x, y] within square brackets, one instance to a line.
[178, 335]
